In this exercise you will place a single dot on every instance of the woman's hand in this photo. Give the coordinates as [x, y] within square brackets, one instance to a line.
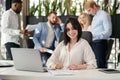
[77, 67]
[59, 66]
[56, 66]
[73, 67]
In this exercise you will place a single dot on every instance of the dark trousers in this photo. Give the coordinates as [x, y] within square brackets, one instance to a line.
[99, 48]
[46, 55]
[8, 47]
[44, 58]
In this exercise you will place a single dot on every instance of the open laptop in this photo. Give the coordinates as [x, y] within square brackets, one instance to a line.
[27, 59]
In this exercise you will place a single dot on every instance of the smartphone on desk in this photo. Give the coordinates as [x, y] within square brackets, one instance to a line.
[109, 71]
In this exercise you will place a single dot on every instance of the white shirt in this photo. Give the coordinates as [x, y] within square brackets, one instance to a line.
[9, 27]
[50, 35]
[81, 53]
[86, 28]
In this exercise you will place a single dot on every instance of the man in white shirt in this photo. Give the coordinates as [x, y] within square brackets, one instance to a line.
[10, 24]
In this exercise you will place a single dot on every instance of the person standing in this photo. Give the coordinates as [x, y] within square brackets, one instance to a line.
[101, 29]
[10, 24]
[46, 35]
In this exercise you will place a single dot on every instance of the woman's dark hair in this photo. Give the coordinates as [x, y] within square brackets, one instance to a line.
[16, 1]
[76, 25]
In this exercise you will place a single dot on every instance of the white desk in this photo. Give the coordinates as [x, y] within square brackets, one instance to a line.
[94, 74]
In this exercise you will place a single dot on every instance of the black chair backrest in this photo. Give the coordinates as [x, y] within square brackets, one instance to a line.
[61, 36]
[85, 35]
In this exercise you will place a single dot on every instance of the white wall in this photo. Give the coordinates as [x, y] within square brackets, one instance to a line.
[2, 9]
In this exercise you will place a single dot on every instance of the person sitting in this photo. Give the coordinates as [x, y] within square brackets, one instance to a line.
[73, 52]
[46, 35]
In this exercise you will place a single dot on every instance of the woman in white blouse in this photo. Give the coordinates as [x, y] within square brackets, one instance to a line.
[73, 52]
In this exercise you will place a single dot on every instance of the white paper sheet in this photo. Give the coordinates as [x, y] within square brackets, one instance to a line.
[63, 72]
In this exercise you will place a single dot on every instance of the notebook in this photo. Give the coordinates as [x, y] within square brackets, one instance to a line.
[27, 59]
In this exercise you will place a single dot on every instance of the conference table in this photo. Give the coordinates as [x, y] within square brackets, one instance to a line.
[10, 73]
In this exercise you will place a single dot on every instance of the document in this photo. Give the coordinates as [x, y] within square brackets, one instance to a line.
[31, 27]
[49, 51]
[62, 72]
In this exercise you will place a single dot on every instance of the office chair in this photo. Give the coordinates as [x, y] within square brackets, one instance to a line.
[61, 36]
[30, 43]
[118, 58]
[109, 48]
[87, 35]
[108, 51]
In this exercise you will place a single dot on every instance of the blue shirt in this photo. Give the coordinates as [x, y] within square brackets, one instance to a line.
[101, 26]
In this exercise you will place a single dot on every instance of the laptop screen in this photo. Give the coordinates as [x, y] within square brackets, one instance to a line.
[27, 59]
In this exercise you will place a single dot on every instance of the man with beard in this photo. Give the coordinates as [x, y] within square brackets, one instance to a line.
[46, 35]
[10, 24]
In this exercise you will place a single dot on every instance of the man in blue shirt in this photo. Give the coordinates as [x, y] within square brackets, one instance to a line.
[101, 29]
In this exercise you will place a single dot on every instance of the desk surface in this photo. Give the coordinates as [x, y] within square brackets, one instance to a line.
[93, 74]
